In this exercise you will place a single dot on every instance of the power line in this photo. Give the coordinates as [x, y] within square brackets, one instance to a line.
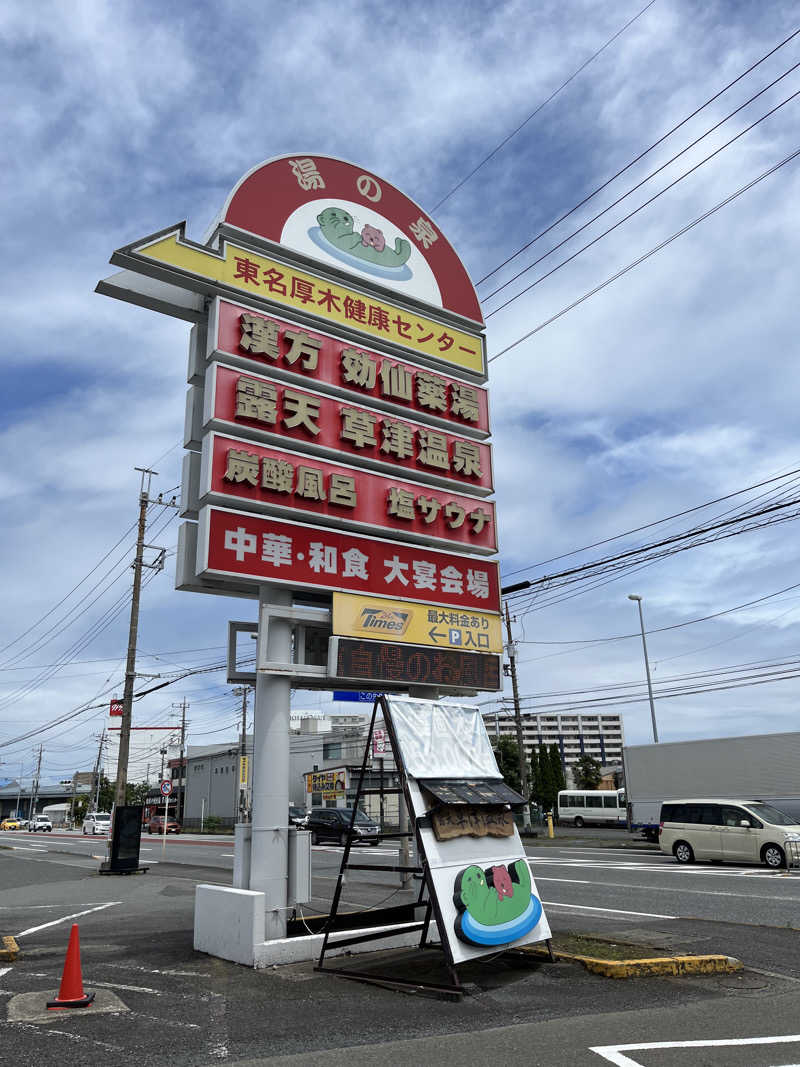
[641, 259]
[539, 107]
[634, 188]
[638, 158]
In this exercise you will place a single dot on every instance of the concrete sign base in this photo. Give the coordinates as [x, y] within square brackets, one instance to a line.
[229, 923]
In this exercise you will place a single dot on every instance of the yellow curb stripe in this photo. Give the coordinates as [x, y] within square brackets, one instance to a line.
[659, 965]
[10, 949]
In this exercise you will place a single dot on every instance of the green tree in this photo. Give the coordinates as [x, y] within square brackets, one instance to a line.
[536, 778]
[106, 798]
[547, 779]
[506, 752]
[558, 768]
[136, 792]
[586, 772]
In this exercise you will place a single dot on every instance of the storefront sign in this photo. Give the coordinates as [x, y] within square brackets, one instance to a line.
[278, 412]
[334, 782]
[415, 624]
[378, 661]
[276, 480]
[267, 278]
[242, 545]
[293, 350]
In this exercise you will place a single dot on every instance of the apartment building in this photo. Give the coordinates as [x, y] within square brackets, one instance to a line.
[601, 736]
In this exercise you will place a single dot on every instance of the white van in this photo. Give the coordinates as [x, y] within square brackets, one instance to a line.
[96, 822]
[579, 806]
[740, 831]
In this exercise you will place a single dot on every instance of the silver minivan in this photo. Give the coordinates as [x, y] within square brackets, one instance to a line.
[739, 831]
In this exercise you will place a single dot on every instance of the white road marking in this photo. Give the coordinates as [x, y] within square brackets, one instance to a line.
[39, 907]
[4, 970]
[615, 1053]
[611, 911]
[128, 988]
[65, 918]
[669, 889]
[227, 853]
[28, 848]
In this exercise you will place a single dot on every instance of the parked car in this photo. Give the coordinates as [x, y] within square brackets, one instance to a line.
[331, 824]
[297, 816]
[96, 822]
[40, 822]
[740, 831]
[11, 823]
[156, 825]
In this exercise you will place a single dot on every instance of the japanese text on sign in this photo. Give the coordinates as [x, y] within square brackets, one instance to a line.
[328, 359]
[278, 409]
[266, 549]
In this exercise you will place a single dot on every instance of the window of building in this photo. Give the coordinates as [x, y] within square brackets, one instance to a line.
[331, 750]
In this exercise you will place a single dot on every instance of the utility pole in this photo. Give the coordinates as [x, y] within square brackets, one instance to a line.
[181, 798]
[35, 786]
[72, 797]
[523, 763]
[96, 772]
[19, 786]
[133, 630]
[242, 691]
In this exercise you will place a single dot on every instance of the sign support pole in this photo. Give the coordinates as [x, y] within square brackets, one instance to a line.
[270, 797]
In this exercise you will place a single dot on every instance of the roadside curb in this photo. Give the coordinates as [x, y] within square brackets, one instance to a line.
[10, 949]
[670, 966]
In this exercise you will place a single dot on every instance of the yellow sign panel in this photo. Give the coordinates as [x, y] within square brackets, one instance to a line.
[243, 761]
[415, 624]
[261, 276]
[330, 783]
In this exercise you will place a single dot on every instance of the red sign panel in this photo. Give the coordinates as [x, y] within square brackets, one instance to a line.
[333, 361]
[275, 478]
[115, 708]
[328, 423]
[269, 196]
[234, 543]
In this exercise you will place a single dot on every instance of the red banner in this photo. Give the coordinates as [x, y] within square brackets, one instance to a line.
[275, 478]
[234, 543]
[333, 361]
[115, 708]
[282, 411]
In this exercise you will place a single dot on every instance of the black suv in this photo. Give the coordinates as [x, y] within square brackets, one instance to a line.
[331, 824]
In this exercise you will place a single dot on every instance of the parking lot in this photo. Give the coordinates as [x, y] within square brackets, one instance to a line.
[175, 1005]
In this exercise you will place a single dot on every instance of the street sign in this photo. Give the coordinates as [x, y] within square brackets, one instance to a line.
[166, 788]
[349, 696]
[415, 624]
[115, 708]
[243, 770]
[241, 545]
[379, 661]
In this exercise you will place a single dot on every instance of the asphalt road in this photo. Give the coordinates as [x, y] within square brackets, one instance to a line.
[179, 1007]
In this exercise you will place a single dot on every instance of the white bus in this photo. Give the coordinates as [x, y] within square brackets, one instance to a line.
[581, 806]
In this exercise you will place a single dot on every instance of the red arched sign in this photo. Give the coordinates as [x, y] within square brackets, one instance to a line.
[344, 216]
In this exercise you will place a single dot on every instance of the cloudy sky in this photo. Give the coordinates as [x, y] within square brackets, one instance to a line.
[673, 386]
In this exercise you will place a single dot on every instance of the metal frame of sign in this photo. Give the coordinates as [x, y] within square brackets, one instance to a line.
[450, 991]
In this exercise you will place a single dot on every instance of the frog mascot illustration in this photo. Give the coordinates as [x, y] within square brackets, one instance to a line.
[370, 245]
[495, 906]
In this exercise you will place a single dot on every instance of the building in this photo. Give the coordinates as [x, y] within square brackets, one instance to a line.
[145, 752]
[212, 783]
[600, 736]
[332, 743]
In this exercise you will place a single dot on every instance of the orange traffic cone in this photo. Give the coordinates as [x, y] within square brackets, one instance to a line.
[71, 994]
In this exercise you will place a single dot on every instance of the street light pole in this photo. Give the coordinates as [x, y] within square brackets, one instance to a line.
[638, 599]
